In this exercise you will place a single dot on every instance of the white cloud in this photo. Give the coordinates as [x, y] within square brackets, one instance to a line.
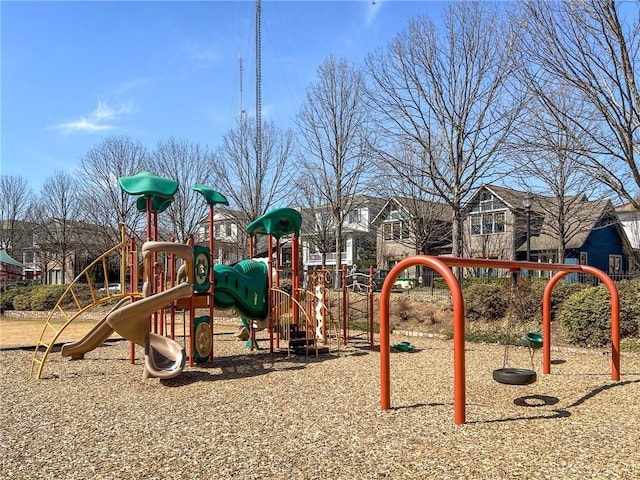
[95, 121]
[82, 125]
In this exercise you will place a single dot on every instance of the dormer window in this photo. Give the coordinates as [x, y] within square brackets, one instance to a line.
[488, 215]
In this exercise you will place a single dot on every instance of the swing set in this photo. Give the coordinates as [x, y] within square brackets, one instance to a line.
[513, 376]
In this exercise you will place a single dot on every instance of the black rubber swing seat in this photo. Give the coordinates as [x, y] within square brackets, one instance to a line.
[514, 376]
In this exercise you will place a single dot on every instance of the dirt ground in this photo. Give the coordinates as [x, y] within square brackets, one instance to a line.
[22, 329]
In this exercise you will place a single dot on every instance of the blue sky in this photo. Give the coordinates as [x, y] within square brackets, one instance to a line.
[74, 73]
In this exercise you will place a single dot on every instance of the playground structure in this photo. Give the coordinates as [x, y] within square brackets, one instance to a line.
[186, 279]
[182, 276]
[442, 266]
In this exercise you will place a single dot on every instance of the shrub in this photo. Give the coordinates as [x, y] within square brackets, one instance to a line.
[486, 301]
[586, 314]
[561, 292]
[22, 301]
[7, 297]
[46, 296]
[37, 297]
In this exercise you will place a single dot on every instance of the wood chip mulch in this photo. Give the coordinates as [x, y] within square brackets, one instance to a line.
[255, 415]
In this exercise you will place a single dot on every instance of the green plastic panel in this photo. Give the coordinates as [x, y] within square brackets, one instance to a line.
[148, 184]
[278, 223]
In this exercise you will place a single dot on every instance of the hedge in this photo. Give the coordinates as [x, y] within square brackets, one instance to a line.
[586, 315]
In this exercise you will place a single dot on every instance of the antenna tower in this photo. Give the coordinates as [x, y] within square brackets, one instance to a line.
[258, 84]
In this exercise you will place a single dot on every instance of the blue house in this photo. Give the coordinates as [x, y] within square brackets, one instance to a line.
[571, 230]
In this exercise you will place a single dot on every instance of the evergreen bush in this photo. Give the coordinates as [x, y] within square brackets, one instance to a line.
[586, 315]
[486, 301]
[45, 297]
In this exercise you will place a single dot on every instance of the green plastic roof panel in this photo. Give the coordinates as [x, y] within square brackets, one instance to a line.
[8, 260]
[158, 204]
[148, 184]
[211, 196]
[278, 223]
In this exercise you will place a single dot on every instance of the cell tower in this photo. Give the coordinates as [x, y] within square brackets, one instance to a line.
[258, 84]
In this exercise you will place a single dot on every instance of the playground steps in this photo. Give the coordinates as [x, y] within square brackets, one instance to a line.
[301, 344]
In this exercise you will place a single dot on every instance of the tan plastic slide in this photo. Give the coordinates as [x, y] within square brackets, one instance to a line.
[164, 358]
[94, 338]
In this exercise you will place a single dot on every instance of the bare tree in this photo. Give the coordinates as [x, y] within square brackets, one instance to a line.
[57, 213]
[593, 47]
[447, 93]
[549, 154]
[15, 199]
[189, 164]
[253, 185]
[335, 135]
[104, 202]
[318, 227]
[428, 219]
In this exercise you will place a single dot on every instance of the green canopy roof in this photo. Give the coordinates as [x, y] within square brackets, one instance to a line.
[211, 196]
[278, 223]
[158, 204]
[7, 260]
[148, 184]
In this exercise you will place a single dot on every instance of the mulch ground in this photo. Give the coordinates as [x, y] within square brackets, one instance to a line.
[256, 415]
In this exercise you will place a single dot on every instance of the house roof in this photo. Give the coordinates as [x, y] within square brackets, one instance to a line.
[584, 216]
[7, 260]
[627, 208]
[435, 210]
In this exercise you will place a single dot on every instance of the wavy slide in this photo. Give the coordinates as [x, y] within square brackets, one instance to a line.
[94, 338]
[164, 358]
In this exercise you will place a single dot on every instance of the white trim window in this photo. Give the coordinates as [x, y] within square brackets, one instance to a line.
[488, 215]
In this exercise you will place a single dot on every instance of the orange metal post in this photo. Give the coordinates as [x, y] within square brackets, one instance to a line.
[295, 277]
[212, 257]
[345, 304]
[458, 332]
[546, 321]
[371, 306]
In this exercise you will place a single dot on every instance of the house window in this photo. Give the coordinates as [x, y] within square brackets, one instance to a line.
[488, 203]
[485, 223]
[615, 264]
[476, 224]
[498, 222]
[584, 258]
[387, 231]
[488, 215]
[395, 231]
[354, 216]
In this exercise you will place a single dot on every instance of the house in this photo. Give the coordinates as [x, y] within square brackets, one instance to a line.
[499, 223]
[410, 226]
[317, 236]
[629, 217]
[230, 241]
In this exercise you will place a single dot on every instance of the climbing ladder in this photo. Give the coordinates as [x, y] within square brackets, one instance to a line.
[70, 306]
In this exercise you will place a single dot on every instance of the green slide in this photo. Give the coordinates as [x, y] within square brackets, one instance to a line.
[243, 287]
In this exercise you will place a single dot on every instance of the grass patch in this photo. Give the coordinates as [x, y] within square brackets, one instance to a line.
[630, 345]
